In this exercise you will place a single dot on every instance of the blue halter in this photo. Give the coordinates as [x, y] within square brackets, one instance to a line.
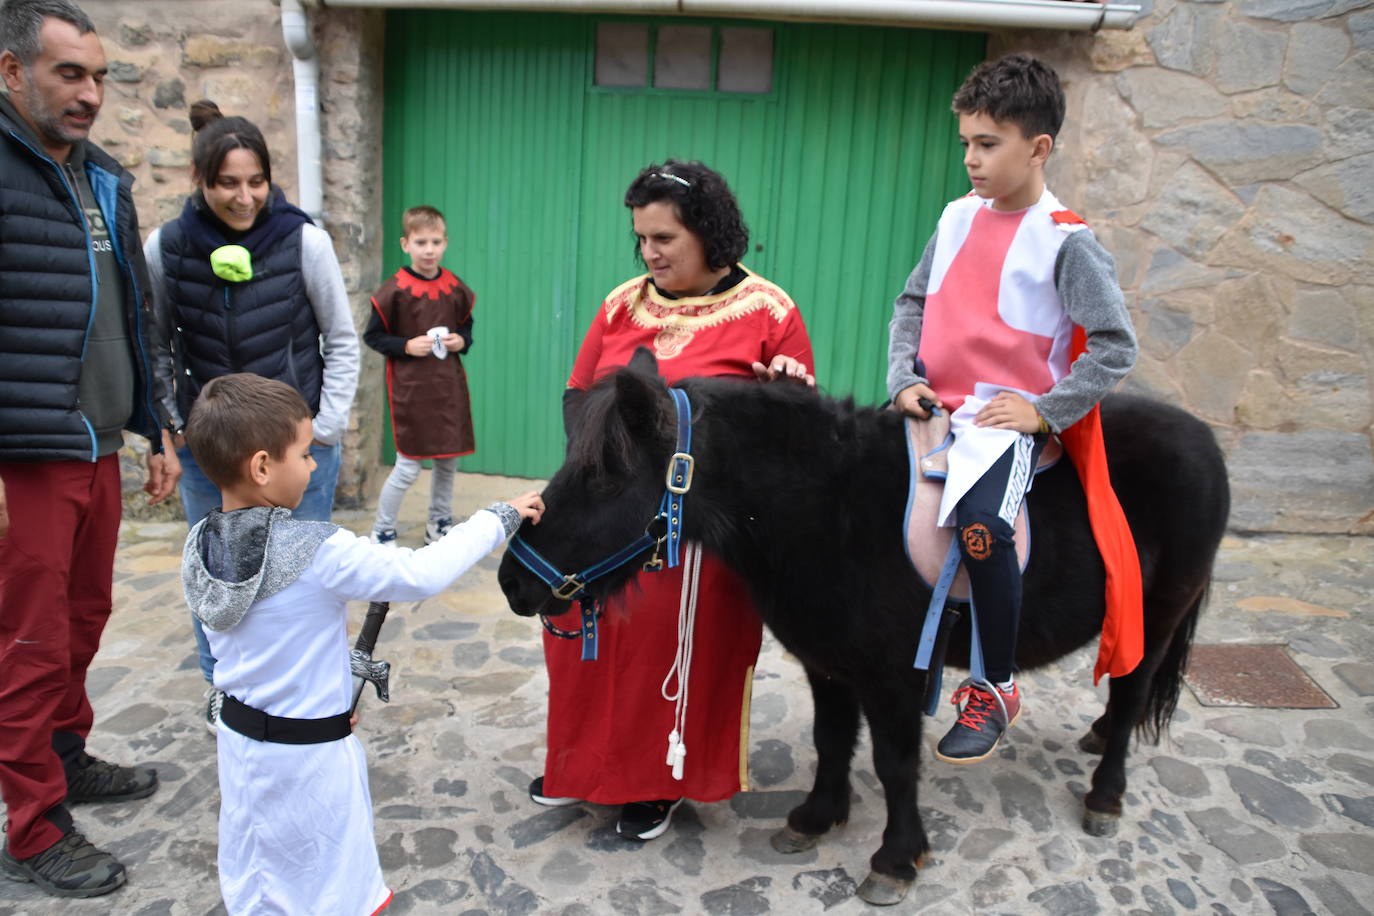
[566, 587]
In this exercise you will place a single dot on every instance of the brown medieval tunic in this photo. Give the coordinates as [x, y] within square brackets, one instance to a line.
[431, 414]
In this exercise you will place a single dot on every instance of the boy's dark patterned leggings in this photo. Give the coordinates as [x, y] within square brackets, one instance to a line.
[984, 518]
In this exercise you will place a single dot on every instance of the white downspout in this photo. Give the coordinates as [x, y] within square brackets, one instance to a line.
[305, 65]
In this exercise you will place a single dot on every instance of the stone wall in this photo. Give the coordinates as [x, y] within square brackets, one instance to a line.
[1224, 151]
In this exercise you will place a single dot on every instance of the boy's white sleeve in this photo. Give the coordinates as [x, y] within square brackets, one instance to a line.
[355, 569]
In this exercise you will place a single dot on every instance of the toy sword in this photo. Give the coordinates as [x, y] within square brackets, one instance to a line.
[365, 668]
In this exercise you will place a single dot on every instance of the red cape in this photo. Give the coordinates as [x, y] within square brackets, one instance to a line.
[1123, 629]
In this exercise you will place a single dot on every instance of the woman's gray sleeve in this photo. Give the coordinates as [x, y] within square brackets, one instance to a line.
[904, 330]
[324, 286]
[1085, 276]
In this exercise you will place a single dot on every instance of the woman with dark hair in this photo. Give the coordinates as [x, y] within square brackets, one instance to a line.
[620, 727]
[244, 282]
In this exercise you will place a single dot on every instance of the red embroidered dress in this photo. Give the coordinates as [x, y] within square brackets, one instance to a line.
[608, 721]
[431, 413]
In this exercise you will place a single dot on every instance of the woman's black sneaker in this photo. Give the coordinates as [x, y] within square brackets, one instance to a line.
[549, 801]
[71, 867]
[647, 819]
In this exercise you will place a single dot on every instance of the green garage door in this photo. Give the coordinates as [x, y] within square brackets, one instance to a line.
[525, 129]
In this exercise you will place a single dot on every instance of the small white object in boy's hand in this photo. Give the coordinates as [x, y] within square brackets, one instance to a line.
[437, 335]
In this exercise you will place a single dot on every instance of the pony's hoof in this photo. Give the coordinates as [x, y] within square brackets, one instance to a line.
[1092, 743]
[789, 842]
[883, 890]
[1096, 823]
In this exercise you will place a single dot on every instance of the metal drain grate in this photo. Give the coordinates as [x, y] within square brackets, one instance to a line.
[1249, 675]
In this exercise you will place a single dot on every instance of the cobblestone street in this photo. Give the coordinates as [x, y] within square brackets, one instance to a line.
[1240, 810]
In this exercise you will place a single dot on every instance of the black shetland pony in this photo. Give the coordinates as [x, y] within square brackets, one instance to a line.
[803, 496]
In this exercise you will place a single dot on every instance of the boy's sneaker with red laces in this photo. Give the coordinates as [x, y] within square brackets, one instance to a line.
[71, 867]
[987, 713]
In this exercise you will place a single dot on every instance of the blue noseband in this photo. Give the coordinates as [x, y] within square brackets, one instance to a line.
[567, 587]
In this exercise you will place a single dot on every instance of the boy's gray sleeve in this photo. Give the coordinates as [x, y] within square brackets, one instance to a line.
[324, 287]
[904, 330]
[164, 368]
[1085, 276]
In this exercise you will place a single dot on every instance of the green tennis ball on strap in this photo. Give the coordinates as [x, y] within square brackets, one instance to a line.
[232, 262]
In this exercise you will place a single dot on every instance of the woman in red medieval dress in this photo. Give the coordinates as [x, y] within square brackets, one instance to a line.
[618, 725]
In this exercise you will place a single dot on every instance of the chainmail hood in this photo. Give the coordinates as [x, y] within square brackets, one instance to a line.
[233, 559]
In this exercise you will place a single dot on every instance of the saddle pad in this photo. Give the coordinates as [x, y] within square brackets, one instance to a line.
[927, 545]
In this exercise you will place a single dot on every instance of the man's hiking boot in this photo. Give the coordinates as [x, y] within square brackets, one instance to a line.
[71, 867]
[93, 780]
[987, 713]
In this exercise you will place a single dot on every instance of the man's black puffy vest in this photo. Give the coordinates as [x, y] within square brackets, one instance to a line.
[46, 296]
[265, 325]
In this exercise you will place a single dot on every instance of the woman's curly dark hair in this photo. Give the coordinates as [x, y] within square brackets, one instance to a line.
[704, 203]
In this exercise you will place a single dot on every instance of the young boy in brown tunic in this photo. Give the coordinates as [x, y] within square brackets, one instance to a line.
[421, 322]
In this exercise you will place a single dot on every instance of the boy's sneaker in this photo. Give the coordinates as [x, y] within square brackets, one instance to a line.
[647, 819]
[71, 867]
[437, 529]
[987, 714]
[214, 702]
[549, 801]
[94, 780]
[386, 537]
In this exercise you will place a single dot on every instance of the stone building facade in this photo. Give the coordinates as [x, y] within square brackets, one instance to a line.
[1224, 151]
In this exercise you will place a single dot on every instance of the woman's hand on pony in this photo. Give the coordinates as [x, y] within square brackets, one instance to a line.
[785, 368]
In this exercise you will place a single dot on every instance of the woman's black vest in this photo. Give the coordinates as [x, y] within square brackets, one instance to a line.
[265, 325]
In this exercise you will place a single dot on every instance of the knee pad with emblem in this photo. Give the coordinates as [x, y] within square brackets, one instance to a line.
[984, 537]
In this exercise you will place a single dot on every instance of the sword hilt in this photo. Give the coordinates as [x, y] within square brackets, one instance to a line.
[369, 670]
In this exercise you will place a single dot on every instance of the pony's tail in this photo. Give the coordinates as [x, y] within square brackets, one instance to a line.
[1167, 683]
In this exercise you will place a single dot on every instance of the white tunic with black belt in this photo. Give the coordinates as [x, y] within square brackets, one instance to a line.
[296, 830]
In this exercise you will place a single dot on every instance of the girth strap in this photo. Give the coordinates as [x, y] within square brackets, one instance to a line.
[926, 659]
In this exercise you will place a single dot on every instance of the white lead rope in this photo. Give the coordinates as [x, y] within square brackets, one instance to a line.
[682, 662]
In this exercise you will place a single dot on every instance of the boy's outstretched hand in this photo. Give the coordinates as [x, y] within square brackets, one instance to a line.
[1008, 410]
[530, 505]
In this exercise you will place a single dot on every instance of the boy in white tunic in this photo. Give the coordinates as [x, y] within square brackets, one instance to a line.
[986, 328]
[295, 830]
